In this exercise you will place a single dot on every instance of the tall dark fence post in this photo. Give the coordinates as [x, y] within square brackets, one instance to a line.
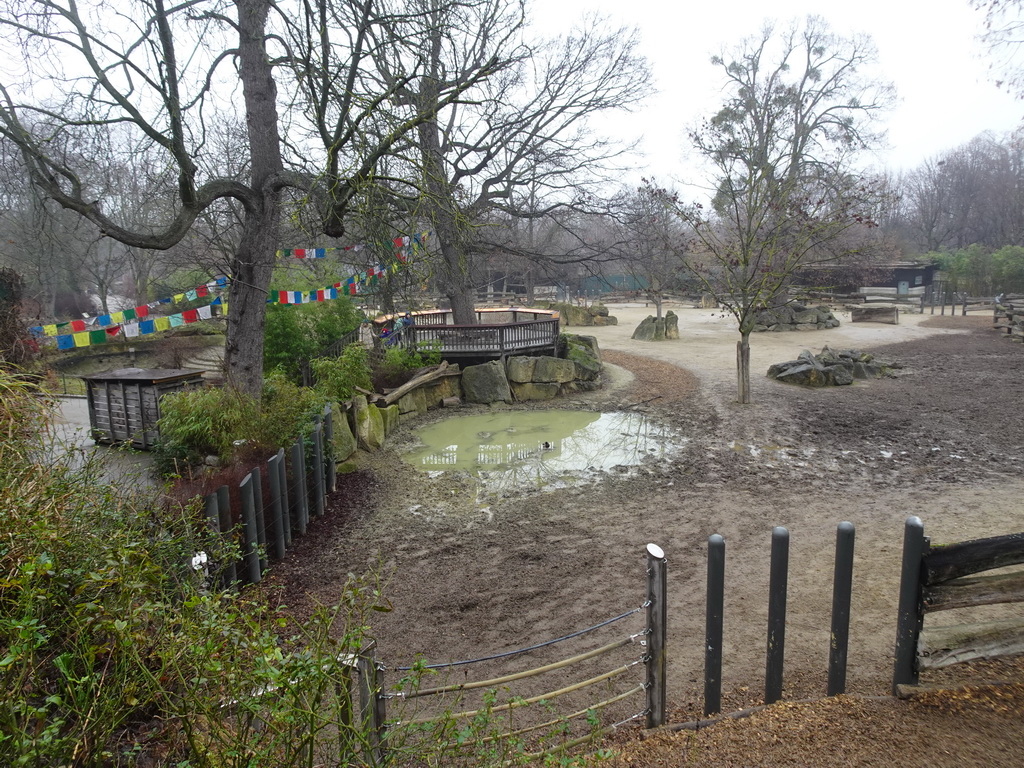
[372, 704]
[657, 615]
[261, 520]
[286, 515]
[212, 513]
[250, 553]
[318, 466]
[910, 614]
[276, 527]
[332, 465]
[226, 526]
[713, 625]
[777, 586]
[842, 591]
[299, 487]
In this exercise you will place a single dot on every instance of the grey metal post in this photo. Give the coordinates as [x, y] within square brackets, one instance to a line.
[842, 591]
[212, 512]
[318, 467]
[713, 625]
[657, 615]
[372, 704]
[910, 614]
[250, 553]
[261, 521]
[224, 513]
[777, 586]
[286, 515]
[299, 487]
[276, 527]
[332, 465]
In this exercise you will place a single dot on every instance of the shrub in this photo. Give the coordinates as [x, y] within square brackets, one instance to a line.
[337, 377]
[295, 333]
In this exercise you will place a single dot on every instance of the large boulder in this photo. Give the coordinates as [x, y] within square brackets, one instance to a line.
[413, 402]
[553, 369]
[369, 424]
[520, 369]
[671, 325]
[584, 354]
[390, 416]
[486, 383]
[830, 368]
[650, 329]
[344, 441]
[535, 391]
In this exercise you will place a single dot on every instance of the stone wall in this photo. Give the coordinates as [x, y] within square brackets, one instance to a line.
[366, 425]
[795, 317]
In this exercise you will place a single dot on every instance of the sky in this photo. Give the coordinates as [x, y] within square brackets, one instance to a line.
[928, 49]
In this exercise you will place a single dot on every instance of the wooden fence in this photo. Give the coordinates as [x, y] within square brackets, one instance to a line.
[939, 578]
[1008, 316]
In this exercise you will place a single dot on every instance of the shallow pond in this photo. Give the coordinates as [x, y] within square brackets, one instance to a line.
[510, 450]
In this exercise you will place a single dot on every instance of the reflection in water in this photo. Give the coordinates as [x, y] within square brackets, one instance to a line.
[516, 449]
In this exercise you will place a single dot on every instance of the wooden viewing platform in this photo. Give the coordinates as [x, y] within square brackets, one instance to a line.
[501, 332]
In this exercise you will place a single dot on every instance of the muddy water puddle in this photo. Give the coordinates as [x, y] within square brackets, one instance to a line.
[509, 451]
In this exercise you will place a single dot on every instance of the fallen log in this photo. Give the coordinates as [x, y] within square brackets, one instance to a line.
[397, 394]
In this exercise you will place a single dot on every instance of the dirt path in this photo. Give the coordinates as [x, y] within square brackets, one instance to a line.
[944, 441]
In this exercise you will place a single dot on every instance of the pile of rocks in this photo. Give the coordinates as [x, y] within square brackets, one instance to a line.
[658, 328]
[573, 314]
[831, 368]
[795, 317]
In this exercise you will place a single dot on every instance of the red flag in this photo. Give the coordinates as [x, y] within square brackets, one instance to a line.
[190, 315]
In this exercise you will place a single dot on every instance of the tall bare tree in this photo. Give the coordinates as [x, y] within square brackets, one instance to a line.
[318, 115]
[781, 148]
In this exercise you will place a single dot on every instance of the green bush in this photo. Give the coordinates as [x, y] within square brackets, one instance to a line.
[226, 423]
[337, 377]
[295, 333]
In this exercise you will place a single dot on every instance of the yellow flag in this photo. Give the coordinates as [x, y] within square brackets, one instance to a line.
[82, 339]
[50, 330]
[163, 324]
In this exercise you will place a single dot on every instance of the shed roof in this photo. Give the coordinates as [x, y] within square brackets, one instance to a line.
[150, 375]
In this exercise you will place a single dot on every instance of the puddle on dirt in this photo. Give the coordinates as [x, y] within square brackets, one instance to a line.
[518, 450]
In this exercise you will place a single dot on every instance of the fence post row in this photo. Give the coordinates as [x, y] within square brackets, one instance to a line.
[713, 625]
[226, 527]
[276, 514]
[332, 469]
[250, 552]
[777, 585]
[299, 486]
[657, 620]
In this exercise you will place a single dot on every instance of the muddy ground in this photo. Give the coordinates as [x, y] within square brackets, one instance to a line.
[470, 577]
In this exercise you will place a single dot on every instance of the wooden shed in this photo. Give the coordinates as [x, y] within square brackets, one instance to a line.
[124, 405]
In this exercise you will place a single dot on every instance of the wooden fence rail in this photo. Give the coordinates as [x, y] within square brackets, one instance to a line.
[939, 578]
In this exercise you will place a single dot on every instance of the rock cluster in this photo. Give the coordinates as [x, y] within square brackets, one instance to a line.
[830, 368]
[571, 314]
[658, 328]
[795, 317]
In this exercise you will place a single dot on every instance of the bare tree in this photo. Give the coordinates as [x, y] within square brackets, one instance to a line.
[526, 137]
[781, 150]
[318, 116]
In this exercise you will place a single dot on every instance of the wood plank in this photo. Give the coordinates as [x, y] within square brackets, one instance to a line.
[975, 590]
[943, 646]
[890, 315]
[951, 561]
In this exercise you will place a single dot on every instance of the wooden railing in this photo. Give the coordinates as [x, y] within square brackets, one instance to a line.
[483, 340]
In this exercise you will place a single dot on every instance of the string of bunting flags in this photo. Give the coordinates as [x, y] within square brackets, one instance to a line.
[404, 246]
[130, 323]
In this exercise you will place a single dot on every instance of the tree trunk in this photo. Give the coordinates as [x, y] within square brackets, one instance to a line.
[253, 263]
[743, 368]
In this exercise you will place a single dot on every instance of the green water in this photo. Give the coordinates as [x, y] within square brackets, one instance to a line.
[554, 447]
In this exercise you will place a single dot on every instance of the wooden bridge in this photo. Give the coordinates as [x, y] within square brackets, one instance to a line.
[500, 333]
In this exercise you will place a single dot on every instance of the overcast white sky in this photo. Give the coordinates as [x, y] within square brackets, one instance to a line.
[928, 49]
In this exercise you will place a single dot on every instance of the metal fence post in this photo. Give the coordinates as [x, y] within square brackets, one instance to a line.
[657, 615]
[332, 465]
[910, 614]
[842, 591]
[224, 514]
[286, 515]
[713, 625]
[261, 521]
[372, 704]
[276, 526]
[777, 585]
[250, 554]
[299, 486]
[318, 466]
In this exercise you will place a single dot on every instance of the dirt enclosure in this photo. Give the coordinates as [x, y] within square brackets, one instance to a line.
[470, 577]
